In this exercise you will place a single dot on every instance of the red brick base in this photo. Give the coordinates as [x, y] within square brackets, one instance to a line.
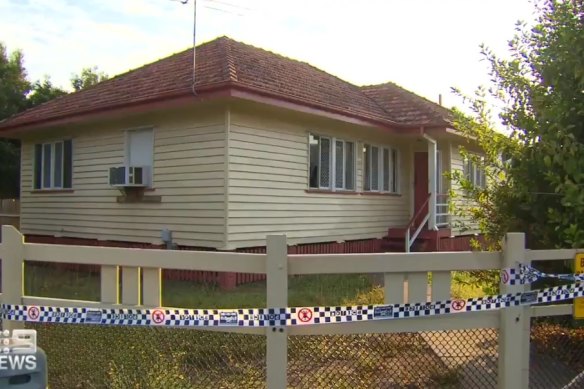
[229, 280]
[459, 243]
[225, 280]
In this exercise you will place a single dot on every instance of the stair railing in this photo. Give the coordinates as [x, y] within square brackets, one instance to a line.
[442, 210]
[411, 238]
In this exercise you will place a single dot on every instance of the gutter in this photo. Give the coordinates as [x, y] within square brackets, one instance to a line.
[226, 89]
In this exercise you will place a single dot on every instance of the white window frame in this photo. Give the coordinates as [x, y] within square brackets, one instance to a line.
[393, 182]
[150, 168]
[52, 165]
[474, 173]
[332, 163]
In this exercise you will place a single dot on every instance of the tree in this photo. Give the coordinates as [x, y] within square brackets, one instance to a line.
[43, 92]
[13, 86]
[18, 94]
[88, 77]
[13, 90]
[536, 173]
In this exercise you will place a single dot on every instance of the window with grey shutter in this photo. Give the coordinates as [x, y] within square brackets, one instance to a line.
[53, 165]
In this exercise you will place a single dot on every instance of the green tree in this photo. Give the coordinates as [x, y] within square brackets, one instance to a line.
[17, 93]
[88, 77]
[536, 172]
[43, 92]
[13, 90]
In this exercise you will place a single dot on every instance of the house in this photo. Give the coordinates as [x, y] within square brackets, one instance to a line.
[260, 144]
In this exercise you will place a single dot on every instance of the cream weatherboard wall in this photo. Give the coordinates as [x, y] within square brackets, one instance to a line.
[189, 171]
[268, 182]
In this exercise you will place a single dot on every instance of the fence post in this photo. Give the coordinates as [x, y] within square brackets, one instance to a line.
[277, 297]
[12, 255]
[514, 323]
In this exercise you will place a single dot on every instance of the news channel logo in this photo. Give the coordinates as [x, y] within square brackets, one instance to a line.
[18, 342]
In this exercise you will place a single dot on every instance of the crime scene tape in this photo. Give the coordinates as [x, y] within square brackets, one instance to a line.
[270, 317]
[525, 274]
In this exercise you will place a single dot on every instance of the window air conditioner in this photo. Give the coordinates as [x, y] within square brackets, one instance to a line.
[129, 176]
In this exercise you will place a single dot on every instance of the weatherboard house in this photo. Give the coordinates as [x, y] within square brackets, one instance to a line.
[260, 144]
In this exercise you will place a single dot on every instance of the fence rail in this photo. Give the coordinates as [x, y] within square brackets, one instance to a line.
[405, 276]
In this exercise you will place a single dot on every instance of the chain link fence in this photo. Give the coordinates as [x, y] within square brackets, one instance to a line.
[437, 359]
[115, 357]
[557, 352]
[556, 342]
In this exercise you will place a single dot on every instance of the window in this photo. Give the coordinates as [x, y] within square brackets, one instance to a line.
[140, 149]
[332, 163]
[473, 173]
[381, 169]
[53, 165]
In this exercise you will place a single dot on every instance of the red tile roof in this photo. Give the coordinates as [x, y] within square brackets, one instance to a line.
[224, 62]
[404, 106]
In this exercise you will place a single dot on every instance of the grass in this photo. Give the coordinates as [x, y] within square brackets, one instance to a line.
[123, 357]
[312, 290]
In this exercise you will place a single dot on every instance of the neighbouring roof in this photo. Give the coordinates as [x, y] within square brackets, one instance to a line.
[404, 106]
[226, 63]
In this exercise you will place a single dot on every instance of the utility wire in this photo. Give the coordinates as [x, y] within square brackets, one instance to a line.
[223, 10]
[228, 4]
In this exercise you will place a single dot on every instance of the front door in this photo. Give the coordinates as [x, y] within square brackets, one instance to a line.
[420, 186]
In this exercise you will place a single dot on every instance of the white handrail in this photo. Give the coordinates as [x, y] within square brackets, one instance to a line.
[411, 239]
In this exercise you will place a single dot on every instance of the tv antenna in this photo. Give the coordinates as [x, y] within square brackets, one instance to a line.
[194, 41]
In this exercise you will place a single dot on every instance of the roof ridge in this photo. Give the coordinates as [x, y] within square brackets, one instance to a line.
[293, 59]
[230, 61]
[355, 87]
[431, 104]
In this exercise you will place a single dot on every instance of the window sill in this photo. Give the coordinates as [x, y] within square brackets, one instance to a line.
[138, 195]
[381, 194]
[327, 191]
[141, 199]
[48, 191]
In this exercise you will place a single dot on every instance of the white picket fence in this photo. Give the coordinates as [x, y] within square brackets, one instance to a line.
[513, 323]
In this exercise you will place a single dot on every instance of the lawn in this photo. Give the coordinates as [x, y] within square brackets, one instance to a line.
[311, 290]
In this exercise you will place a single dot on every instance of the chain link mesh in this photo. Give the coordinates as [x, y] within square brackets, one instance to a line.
[557, 352]
[115, 357]
[437, 359]
[556, 342]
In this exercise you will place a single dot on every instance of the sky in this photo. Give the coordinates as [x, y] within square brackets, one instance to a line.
[426, 46]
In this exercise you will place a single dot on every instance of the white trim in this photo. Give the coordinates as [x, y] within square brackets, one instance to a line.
[432, 149]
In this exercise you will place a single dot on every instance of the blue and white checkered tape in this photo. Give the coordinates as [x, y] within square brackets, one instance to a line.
[524, 274]
[273, 317]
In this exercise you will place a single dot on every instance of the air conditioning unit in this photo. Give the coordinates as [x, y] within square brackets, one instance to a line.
[129, 176]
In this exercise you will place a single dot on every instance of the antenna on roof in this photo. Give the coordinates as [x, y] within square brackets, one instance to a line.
[194, 40]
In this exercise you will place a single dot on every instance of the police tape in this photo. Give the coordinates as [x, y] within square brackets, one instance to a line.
[525, 274]
[270, 317]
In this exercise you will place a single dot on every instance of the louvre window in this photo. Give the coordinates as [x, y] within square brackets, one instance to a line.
[332, 163]
[381, 167]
